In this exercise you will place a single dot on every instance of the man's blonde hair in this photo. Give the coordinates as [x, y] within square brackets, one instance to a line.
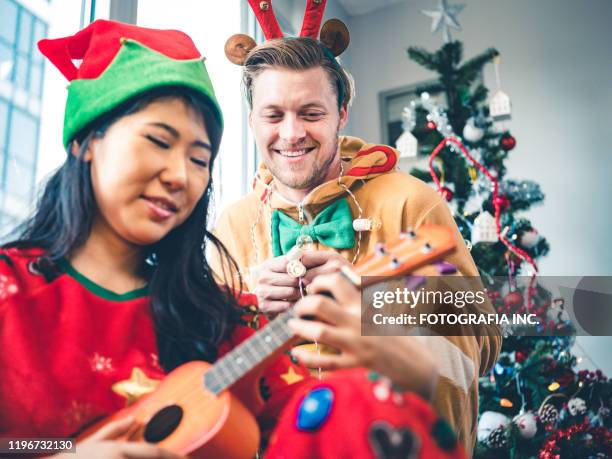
[297, 54]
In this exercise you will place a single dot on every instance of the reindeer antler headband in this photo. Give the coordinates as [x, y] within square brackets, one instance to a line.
[334, 34]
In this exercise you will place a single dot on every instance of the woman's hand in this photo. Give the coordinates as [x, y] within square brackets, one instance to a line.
[104, 445]
[337, 323]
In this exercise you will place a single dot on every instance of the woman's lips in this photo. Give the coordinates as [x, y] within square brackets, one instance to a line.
[159, 209]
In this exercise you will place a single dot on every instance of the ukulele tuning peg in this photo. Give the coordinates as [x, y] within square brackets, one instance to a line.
[395, 263]
[408, 234]
[380, 249]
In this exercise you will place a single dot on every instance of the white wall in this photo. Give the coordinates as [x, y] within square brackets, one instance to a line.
[557, 69]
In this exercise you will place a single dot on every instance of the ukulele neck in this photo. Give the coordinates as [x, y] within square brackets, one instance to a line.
[250, 353]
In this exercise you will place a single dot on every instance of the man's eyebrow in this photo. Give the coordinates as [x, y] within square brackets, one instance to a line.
[314, 105]
[174, 133]
[303, 107]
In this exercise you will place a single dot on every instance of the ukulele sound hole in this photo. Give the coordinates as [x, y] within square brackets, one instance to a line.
[163, 423]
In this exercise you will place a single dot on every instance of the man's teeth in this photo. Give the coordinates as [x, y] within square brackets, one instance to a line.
[293, 153]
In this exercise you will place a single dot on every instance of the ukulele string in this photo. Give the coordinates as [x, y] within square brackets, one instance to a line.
[317, 348]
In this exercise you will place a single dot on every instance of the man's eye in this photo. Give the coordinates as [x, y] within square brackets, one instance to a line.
[313, 115]
[200, 162]
[160, 143]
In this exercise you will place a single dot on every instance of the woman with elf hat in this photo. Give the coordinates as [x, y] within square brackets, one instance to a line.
[107, 288]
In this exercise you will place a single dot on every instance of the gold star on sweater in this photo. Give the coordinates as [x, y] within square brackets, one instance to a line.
[135, 387]
[291, 377]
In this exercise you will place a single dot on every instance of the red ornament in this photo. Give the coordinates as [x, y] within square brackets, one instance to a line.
[507, 142]
[446, 193]
[502, 202]
[520, 357]
[514, 299]
[431, 125]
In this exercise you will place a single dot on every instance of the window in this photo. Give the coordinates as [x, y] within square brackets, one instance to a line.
[210, 30]
[21, 68]
[8, 20]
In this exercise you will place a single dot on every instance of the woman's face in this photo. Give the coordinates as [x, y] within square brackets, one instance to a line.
[148, 171]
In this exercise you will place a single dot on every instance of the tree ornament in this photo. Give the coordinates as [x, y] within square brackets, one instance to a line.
[431, 125]
[520, 357]
[507, 142]
[548, 414]
[407, 145]
[527, 424]
[514, 299]
[530, 238]
[498, 438]
[471, 132]
[488, 422]
[576, 406]
[500, 108]
[484, 229]
[501, 201]
[553, 386]
[446, 193]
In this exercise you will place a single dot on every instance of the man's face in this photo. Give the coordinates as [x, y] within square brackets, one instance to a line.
[295, 120]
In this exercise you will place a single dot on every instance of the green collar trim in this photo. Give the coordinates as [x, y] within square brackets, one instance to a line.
[98, 290]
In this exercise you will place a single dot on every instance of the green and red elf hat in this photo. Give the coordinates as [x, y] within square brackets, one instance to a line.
[334, 34]
[120, 61]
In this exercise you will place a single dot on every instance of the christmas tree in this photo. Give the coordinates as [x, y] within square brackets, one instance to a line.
[534, 403]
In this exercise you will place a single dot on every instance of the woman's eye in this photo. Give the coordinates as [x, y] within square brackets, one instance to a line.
[200, 162]
[160, 143]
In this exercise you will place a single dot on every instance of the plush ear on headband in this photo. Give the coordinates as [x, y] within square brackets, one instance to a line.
[237, 47]
[335, 36]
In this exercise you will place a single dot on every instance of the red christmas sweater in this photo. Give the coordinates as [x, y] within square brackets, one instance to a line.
[72, 352]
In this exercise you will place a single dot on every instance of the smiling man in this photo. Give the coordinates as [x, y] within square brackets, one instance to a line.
[337, 195]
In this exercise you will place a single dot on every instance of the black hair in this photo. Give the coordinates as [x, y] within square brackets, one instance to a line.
[191, 312]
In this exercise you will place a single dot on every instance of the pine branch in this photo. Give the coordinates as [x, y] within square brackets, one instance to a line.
[475, 64]
[423, 57]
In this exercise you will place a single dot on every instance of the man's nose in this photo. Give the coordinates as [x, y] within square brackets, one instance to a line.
[292, 129]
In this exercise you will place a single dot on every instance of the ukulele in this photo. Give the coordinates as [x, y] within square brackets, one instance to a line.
[193, 411]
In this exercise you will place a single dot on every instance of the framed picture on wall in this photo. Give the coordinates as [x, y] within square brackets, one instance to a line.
[393, 101]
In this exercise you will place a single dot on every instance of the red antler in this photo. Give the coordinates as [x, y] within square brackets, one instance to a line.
[265, 16]
[312, 18]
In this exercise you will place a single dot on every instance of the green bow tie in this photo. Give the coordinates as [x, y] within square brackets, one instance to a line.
[332, 227]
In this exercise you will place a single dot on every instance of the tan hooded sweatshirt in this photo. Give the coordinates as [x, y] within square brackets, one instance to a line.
[399, 201]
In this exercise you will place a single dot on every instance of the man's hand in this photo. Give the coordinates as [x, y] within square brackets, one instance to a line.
[337, 323]
[276, 290]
